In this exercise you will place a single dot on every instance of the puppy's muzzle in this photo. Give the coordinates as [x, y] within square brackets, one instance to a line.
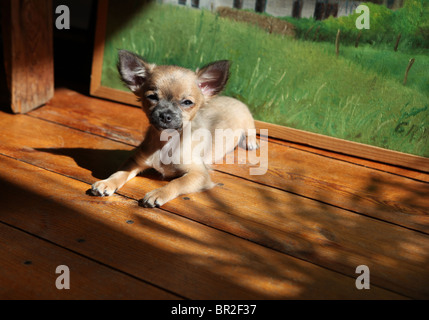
[165, 118]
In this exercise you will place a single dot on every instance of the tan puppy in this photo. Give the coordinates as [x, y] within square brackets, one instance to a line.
[178, 103]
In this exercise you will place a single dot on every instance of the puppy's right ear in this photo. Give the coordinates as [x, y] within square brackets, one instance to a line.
[133, 70]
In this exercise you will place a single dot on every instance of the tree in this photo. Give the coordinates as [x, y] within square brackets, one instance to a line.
[297, 8]
[238, 4]
[326, 8]
[260, 5]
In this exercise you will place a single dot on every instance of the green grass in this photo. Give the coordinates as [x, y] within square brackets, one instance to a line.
[411, 21]
[358, 96]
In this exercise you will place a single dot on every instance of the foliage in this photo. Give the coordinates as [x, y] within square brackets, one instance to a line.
[411, 21]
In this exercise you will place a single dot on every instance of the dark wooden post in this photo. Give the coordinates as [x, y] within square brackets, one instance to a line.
[410, 64]
[297, 8]
[260, 5]
[319, 10]
[337, 43]
[28, 52]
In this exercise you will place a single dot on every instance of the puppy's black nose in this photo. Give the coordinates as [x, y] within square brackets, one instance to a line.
[165, 117]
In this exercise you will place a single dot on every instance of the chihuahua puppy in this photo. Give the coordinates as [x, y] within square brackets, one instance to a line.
[175, 98]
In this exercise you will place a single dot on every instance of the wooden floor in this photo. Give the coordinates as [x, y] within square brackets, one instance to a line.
[297, 232]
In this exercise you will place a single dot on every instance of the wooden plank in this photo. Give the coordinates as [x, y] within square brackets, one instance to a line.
[175, 253]
[347, 147]
[109, 119]
[28, 47]
[364, 190]
[28, 271]
[310, 230]
[400, 171]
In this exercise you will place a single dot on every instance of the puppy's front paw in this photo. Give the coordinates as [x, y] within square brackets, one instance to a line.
[249, 142]
[154, 198]
[103, 188]
[252, 143]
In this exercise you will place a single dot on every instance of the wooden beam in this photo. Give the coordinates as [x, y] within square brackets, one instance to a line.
[28, 51]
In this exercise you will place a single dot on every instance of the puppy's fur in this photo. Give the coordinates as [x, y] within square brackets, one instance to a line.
[173, 97]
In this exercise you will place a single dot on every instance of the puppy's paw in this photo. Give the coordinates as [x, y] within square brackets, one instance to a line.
[251, 143]
[103, 188]
[154, 198]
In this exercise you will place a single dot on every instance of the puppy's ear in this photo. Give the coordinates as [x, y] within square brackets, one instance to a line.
[213, 77]
[133, 70]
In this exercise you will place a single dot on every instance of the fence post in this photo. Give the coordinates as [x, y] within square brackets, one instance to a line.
[337, 43]
[410, 63]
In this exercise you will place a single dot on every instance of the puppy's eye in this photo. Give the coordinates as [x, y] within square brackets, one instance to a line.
[152, 97]
[187, 103]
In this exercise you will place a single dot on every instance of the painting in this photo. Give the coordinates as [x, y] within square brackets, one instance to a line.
[315, 81]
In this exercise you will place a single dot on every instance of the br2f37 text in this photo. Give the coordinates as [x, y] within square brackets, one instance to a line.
[235, 309]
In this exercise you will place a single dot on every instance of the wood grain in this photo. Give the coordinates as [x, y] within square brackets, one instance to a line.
[161, 248]
[400, 171]
[310, 230]
[28, 271]
[28, 49]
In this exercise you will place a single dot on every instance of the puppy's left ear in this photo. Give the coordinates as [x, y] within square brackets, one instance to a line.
[213, 77]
